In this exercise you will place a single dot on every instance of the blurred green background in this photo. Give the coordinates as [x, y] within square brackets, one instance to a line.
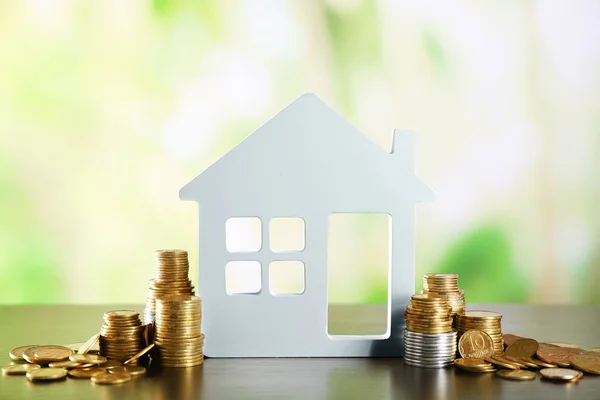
[108, 107]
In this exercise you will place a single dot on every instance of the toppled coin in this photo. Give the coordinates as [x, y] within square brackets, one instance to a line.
[87, 346]
[560, 374]
[87, 358]
[20, 369]
[133, 370]
[46, 374]
[68, 364]
[522, 348]
[140, 354]
[17, 353]
[111, 379]
[51, 353]
[516, 375]
[560, 355]
[86, 373]
[589, 363]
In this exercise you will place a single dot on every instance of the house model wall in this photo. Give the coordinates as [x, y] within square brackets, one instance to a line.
[307, 162]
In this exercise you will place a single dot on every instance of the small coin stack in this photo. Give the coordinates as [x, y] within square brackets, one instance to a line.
[177, 335]
[429, 340]
[121, 335]
[170, 278]
[486, 321]
[446, 285]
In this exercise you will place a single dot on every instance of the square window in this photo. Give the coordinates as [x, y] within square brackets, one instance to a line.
[287, 234]
[243, 234]
[243, 277]
[286, 277]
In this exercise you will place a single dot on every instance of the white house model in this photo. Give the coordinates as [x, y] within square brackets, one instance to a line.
[306, 162]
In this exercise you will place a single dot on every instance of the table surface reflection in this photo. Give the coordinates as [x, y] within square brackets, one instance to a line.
[309, 378]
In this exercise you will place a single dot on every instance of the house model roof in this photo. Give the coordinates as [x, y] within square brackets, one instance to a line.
[305, 142]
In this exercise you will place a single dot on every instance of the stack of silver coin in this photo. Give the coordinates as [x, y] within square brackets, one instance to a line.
[429, 350]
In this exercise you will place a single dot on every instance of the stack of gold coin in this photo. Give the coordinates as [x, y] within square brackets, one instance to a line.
[170, 278]
[121, 335]
[177, 337]
[486, 321]
[446, 285]
[428, 313]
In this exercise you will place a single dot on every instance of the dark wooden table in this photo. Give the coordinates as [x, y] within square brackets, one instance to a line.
[317, 378]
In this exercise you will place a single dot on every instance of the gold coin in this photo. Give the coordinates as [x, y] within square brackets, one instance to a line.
[87, 358]
[475, 344]
[140, 354]
[20, 369]
[563, 344]
[521, 361]
[516, 375]
[510, 338]
[48, 354]
[522, 348]
[17, 353]
[589, 363]
[87, 346]
[556, 355]
[46, 374]
[479, 314]
[121, 314]
[538, 362]
[133, 370]
[111, 379]
[110, 364]
[65, 364]
[86, 373]
[561, 374]
[493, 360]
[472, 362]
[595, 349]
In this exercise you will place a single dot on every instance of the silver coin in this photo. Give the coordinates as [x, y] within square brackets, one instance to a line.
[434, 355]
[431, 350]
[452, 332]
[427, 365]
[430, 344]
[424, 358]
[429, 360]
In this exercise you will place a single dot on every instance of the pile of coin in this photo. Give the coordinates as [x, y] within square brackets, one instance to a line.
[177, 337]
[446, 285]
[486, 321]
[429, 340]
[170, 278]
[122, 335]
[428, 313]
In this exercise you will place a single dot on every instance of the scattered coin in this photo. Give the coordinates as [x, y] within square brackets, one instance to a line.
[474, 365]
[20, 369]
[475, 344]
[510, 338]
[589, 363]
[29, 354]
[563, 344]
[46, 374]
[502, 362]
[87, 346]
[539, 362]
[522, 348]
[111, 379]
[51, 353]
[516, 375]
[560, 356]
[110, 364]
[17, 353]
[68, 364]
[560, 374]
[523, 360]
[86, 373]
[87, 358]
[140, 354]
[133, 370]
